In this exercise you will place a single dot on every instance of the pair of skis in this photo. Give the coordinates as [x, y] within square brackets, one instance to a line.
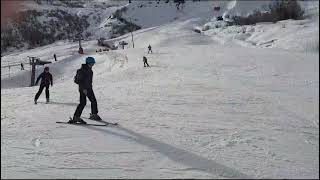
[105, 123]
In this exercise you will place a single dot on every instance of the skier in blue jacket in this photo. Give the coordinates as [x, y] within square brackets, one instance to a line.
[84, 79]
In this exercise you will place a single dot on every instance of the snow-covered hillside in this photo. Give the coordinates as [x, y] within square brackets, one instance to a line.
[39, 23]
[50, 21]
[298, 35]
[210, 105]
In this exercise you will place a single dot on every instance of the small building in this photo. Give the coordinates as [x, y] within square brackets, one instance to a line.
[216, 8]
[109, 44]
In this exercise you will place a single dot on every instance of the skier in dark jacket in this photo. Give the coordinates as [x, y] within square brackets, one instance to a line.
[84, 79]
[145, 61]
[149, 49]
[46, 80]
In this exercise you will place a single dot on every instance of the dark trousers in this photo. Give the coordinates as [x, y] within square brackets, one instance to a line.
[145, 63]
[42, 86]
[83, 102]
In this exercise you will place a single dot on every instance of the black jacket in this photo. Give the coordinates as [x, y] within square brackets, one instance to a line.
[144, 59]
[85, 77]
[46, 78]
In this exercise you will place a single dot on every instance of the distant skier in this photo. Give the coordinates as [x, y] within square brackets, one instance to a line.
[145, 61]
[46, 80]
[84, 79]
[149, 49]
[178, 3]
[22, 68]
[55, 57]
[122, 44]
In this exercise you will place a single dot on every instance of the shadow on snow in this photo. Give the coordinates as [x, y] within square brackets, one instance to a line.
[176, 154]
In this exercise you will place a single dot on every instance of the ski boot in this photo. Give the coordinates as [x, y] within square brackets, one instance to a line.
[76, 120]
[35, 101]
[47, 100]
[95, 117]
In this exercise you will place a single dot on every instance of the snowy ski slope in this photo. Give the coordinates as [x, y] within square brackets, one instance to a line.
[204, 109]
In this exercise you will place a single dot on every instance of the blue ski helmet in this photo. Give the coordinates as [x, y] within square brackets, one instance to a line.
[90, 60]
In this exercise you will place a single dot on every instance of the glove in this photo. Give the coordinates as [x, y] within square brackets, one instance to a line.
[85, 91]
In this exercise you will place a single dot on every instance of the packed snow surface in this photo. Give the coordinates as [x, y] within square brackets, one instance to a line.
[207, 107]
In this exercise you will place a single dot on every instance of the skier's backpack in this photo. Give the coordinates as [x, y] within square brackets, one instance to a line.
[76, 78]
